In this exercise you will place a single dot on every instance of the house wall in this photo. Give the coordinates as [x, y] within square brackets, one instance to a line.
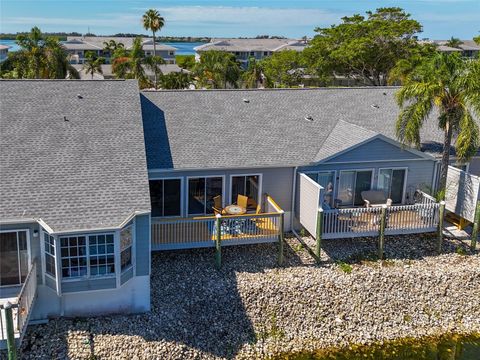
[420, 172]
[277, 182]
[126, 292]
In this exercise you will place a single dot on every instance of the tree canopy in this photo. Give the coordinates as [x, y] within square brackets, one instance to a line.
[450, 85]
[39, 57]
[217, 69]
[366, 47]
[283, 68]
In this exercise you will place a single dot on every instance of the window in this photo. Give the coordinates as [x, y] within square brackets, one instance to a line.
[86, 255]
[166, 197]
[326, 179]
[126, 242]
[74, 256]
[49, 242]
[171, 53]
[392, 182]
[201, 192]
[252, 53]
[351, 185]
[247, 185]
[265, 53]
[13, 257]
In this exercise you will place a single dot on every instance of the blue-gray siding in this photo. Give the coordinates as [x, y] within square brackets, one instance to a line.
[277, 182]
[375, 150]
[142, 238]
[127, 275]
[88, 285]
[51, 283]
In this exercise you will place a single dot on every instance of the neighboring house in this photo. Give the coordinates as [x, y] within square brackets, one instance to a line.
[75, 204]
[468, 48]
[77, 47]
[244, 49]
[3, 52]
[90, 193]
[108, 74]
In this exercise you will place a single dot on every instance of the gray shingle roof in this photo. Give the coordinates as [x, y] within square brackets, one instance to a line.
[84, 173]
[218, 129]
[247, 45]
[97, 43]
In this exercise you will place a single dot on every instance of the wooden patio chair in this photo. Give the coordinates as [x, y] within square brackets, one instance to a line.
[242, 201]
[217, 205]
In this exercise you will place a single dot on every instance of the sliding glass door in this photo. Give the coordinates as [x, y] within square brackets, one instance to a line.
[326, 179]
[247, 185]
[201, 194]
[13, 257]
[392, 182]
[165, 196]
[351, 185]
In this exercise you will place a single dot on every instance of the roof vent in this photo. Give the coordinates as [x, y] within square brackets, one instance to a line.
[375, 106]
[309, 118]
[385, 93]
[65, 118]
[79, 96]
[246, 101]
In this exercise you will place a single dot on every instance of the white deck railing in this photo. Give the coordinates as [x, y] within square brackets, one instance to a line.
[26, 299]
[22, 307]
[423, 198]
[359, 222]
[196, 232]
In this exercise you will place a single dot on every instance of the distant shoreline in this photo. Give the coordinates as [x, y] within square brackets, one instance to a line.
[63, 37]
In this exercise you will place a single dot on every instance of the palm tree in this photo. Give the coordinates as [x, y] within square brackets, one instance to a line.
[253, 76]
[454, 42]
[154, 22]
[217, 69]
[133, 64]
[112, 46]
[93, 64]
[176, 80]
[450, 85]
[39, 57]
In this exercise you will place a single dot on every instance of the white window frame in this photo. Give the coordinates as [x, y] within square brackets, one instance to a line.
[404, 190]
[202, 177]
[29, 255]
[182, 195]
[260, 185]
[132, 247]
[88, 276]
[106, 254]
[372, 182]
[44, 251]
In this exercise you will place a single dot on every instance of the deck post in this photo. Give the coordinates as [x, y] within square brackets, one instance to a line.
[11, 346]
[476, 224]
[281, 236]
[381, 239]
[318, 235]
[218, 241]
[441, 216]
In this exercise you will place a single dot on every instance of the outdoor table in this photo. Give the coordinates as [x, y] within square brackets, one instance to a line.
[235, 210]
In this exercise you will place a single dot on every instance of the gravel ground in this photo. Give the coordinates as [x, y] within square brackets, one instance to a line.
[252, 309]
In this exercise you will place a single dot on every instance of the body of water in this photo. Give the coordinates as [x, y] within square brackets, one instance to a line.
[184, 48]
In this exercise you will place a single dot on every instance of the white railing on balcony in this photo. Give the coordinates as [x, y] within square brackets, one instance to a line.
[21, 306]
[421, 197]
[186, 233]
[26, 299]
[359, 222]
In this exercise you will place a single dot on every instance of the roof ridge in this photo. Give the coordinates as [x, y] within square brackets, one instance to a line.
[278, 89]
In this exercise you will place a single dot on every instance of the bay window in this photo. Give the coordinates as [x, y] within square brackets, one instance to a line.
[102, 255]
[74, 256]
[126, 242]
[49, 242]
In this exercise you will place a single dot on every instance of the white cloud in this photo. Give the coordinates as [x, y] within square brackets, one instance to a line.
[179, 17]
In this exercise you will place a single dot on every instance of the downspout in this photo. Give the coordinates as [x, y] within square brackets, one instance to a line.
[294, 185]
[434, 181]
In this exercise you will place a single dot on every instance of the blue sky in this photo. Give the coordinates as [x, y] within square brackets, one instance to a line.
[293, 18]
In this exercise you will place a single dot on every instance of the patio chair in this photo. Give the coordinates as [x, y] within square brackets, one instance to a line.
[242, 201]
[375, 198]
[217, 205]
